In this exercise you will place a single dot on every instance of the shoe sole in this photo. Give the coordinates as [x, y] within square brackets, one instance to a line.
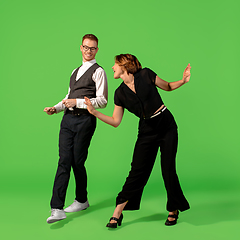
[54, 220]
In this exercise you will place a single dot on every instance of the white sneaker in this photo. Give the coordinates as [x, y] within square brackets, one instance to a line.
[76, 206]
[56, 215]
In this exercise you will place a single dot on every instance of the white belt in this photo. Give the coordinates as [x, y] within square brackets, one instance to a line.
[154, 115]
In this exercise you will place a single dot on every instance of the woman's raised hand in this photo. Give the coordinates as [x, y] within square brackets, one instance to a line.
[187, 74]
[90, 107]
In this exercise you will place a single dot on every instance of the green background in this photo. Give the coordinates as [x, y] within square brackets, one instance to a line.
[39, 49]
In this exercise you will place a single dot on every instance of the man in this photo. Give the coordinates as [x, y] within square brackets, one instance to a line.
[77, 128]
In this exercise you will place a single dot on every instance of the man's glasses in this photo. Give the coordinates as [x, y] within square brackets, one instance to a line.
[86, 48]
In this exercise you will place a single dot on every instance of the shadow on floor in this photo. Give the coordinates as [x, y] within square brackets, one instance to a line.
[70, 217]
[212, 213]
[151, 218]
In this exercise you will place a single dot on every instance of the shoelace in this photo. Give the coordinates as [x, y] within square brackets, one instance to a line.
[72, 203]
[53, 211]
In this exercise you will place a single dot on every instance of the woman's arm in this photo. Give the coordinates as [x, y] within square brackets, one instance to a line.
[169, 86]
[114, 121]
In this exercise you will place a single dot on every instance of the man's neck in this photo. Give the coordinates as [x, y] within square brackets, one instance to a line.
[84, 61]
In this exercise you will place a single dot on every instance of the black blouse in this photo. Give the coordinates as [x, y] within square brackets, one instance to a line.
[145, 102]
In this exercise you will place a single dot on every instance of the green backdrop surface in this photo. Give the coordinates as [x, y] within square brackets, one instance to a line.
[40, 44]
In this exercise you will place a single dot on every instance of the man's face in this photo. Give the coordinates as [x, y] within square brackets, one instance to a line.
[89, 49]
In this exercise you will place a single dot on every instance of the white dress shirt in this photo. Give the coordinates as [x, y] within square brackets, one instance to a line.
[100, 78]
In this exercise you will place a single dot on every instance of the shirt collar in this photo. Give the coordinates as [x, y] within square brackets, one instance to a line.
[89, 62]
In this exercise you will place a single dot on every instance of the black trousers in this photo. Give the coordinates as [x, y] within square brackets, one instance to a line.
[74, 139]
[160, 131]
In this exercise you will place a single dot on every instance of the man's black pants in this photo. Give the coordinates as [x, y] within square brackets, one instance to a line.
[74, 139]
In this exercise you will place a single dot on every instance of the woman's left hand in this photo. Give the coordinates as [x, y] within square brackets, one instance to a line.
[90, 107]
[186, 74]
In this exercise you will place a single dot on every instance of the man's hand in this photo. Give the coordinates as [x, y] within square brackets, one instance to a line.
[69, 103]
[90, 107]
[50, 110]
[186, 74]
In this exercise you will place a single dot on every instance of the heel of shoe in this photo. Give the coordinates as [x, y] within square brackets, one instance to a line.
[120, 220]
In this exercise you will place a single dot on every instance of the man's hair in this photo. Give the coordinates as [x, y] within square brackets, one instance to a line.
[91, 37]
[129, 62]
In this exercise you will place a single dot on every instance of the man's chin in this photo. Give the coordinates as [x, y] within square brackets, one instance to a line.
[88, 58]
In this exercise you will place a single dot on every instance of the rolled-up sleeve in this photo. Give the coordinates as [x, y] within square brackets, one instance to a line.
[60, 106]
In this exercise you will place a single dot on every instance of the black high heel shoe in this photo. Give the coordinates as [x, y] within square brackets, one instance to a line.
[114, 225]
[170, 223]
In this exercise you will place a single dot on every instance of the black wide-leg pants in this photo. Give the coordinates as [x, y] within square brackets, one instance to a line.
[74, 139]
[160, 131]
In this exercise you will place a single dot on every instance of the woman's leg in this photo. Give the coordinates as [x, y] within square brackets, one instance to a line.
[168, 147]
[144, 156]
[118, 211]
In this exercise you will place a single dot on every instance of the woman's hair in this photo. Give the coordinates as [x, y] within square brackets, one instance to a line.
[129, 62]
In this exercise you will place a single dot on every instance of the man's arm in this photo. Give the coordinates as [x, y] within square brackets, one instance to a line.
[50, 110]
[100, 101]
[57, 108]
[169, 86]
[60, 106]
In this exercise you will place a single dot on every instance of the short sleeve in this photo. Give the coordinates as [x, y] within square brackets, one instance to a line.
[117, 100]
[152, 75]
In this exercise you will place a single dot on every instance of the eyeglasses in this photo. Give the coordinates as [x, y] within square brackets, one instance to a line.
[86, 48]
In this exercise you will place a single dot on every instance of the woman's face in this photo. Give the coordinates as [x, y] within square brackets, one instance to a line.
[118, 71]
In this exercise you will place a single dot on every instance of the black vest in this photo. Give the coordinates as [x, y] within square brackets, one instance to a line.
[84, 86]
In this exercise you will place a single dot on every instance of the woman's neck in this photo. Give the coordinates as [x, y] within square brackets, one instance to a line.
[127, 78]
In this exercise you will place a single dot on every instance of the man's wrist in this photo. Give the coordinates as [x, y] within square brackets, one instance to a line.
[80, 103]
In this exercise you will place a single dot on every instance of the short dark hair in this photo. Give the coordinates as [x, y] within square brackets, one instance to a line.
[129, 62]
[91, 37]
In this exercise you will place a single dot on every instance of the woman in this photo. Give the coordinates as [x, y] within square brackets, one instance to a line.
[157, 128]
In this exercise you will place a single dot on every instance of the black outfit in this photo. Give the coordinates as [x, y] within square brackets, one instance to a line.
[77, 129]
[159, 131]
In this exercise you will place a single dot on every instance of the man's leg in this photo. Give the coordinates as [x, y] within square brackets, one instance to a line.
[63, 171]
[84, 128]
